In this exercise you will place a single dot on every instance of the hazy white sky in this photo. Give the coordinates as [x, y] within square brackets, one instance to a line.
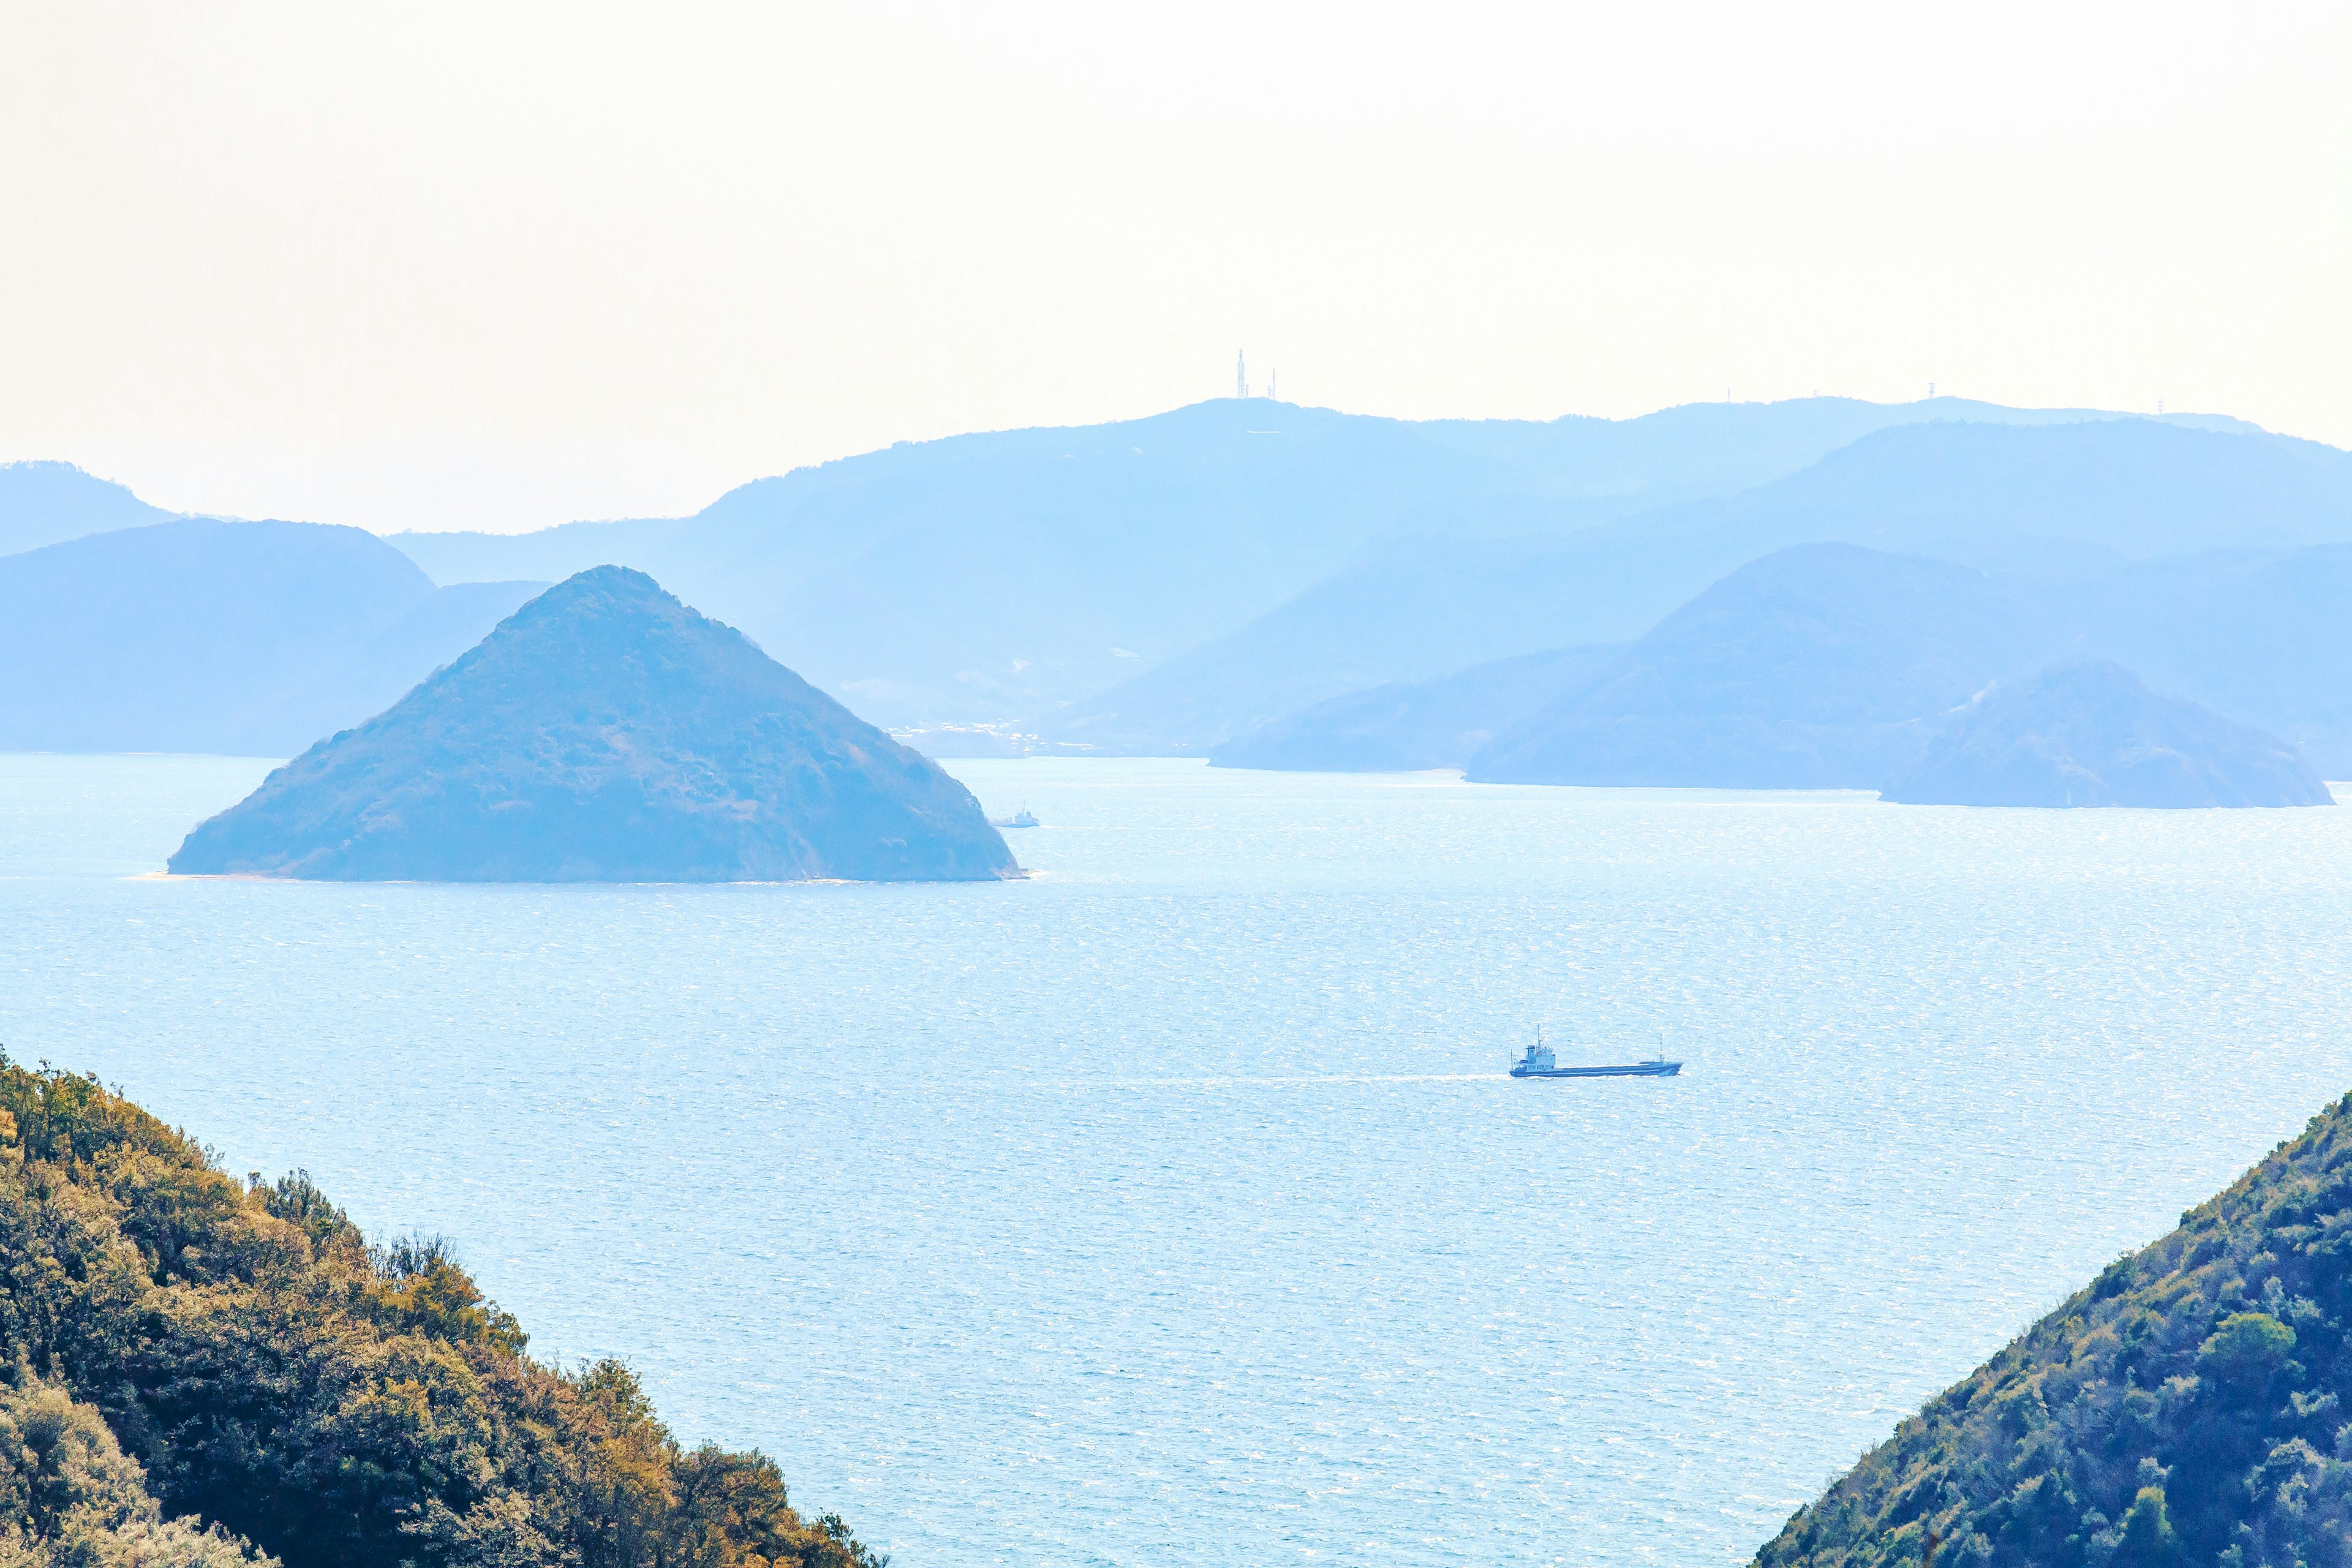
[500, 266]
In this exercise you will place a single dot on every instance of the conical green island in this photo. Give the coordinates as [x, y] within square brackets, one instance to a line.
[606, 732]
[2186, 1409]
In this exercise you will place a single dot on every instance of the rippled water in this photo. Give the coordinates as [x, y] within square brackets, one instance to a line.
[1171, 1207]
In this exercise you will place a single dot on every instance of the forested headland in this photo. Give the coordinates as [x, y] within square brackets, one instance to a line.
[197, 1372]
[2186, 1410]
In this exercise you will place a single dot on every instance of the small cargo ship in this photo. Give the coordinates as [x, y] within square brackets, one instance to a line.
[1018, 819]
[1538, 1063]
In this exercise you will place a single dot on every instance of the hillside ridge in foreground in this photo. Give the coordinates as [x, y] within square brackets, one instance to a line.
[2185, 1410]
[200, 1373]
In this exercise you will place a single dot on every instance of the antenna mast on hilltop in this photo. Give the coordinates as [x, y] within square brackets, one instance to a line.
[1241, 385]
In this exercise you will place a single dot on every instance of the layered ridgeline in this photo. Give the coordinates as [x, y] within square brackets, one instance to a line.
[197, 1372]
[2186, 1409]
[2105, 515]
[2256, 635]
[1822, 667]
[1410, 724]
[1832, 666]
[606, 732]
[242, 638]
[47, 503]
[2092, 733]
[998, 575]
[1165, 584]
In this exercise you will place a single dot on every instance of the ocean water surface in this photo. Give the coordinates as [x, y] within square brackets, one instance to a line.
[1172, 1206]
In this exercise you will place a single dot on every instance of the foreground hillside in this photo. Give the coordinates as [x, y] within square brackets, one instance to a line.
[606, 732]
[237, 1360]
[2186, 1408]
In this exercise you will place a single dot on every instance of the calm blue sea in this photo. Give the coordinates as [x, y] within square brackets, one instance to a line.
[1171, 1207]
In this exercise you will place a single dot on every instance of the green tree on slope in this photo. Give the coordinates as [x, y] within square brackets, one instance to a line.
[236, 1356]
[2187, 1410]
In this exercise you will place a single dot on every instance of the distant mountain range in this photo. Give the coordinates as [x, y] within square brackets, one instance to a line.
[1404, 725]
[2057, 505]
[247, 638]
[1819, 666]
[2256, 635]
[1173, 584]
[2091, 733]
[1832, 666]
[1015, 576]
[48, 503]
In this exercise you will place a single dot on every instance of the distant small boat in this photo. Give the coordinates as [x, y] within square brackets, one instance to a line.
[1018, 819]
[1538, 1063]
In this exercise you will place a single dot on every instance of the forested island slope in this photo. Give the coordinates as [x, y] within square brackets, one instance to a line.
[607, 732]
[2186, 1408]
[234, 1358]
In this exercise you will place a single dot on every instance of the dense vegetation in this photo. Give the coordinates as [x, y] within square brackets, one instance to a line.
[2186, 1409]
[196, 1373]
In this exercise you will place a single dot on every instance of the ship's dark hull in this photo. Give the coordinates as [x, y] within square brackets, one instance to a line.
[1636, 1070]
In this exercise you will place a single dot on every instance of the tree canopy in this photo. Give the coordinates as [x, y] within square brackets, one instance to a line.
[197, 1371]
[2184, 1410]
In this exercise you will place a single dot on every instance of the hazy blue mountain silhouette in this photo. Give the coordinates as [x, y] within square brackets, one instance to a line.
[2037, 503]
[1819, 666]
[1411, 611]
[2092, 733]
[1404, 725]
[1252, 559]
[250, 639]
[998, 575]
[2256, 635]
[607, 732]
[47, 503]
